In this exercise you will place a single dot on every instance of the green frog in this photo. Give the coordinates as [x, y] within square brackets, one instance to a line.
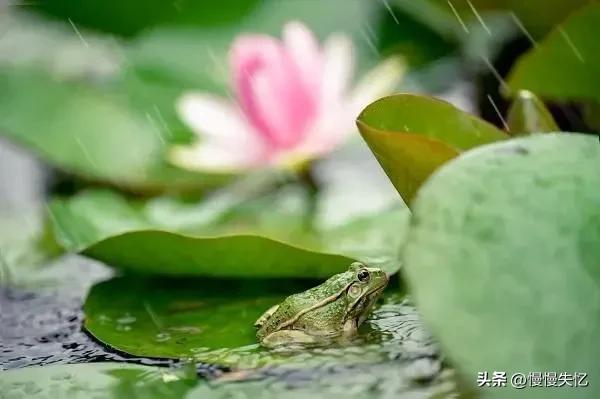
[333, 309]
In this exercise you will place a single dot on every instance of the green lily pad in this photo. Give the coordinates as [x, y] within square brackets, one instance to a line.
[212, 321]
[96, 380]
[26, 243]
[270, 235]
[89, 133]
[116, 380]
[528, 12]
[503, 257]
[528, 114]
[566, 64]
[412, 135]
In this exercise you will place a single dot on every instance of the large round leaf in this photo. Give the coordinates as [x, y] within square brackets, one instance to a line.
[96, 380]
[413, 135]
[212, 321]
[566, 64]
[392, 379]
[503, 257]
[272, 235]
[88, 132]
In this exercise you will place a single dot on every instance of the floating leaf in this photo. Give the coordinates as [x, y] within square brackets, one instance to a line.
[25, 244]
[566, 64]
[89, 133]
[413, 135]
[266, 236]
[528, 114]
[105, 380]
[212, 321]
[389, 380]
[503, 257]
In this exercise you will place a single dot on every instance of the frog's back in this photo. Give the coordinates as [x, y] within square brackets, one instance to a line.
[286, 310]
[297, 303]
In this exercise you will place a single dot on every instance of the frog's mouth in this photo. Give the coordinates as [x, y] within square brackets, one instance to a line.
[371, 296]
[374, 293]
[377, 290]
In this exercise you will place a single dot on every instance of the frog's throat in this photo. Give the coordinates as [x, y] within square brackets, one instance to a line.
[317, 305]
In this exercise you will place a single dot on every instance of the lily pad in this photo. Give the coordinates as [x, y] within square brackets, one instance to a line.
[113, 380]
[503, 257]
[212, 321]
[528, 114]
[90, 133]
[566, 64]
[412, 135]
[105, 380]
[269, 235]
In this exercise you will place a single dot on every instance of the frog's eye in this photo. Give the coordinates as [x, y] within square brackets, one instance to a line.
[362, 275]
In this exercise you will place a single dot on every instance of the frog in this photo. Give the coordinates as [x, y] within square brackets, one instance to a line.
[334, 309]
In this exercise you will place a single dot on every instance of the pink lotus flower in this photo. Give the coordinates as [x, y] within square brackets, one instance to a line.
[292, 102]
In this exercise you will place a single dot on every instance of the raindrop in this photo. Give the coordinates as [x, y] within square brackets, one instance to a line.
[126, 319]
[78, 33]
[122, 327]
[457, 15]
[162, 337]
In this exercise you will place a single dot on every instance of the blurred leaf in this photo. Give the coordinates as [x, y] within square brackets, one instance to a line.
[393, 379]
[197, 56]
[30, 41]
[105, 380]
[591, 115]
[526, 13]
[90, 133]
[130, 17]
[270, 235]
[26, 243]
[416, 30]
[566, 64]
[212, 321]
[528, 114]
[503, 256]
[411, 136]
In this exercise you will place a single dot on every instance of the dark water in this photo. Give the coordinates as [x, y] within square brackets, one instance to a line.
[41, 318]
[46, 329]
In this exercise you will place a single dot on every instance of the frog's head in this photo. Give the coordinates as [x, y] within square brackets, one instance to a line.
[364, 288]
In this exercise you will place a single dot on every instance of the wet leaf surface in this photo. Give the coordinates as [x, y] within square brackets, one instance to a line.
[268, 235]
[114, 380]
[503, 258]
[106, 380]
[566, 64]
[412, 135]
[212, 321]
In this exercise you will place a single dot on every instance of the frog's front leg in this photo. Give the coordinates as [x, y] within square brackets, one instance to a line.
[350, 328]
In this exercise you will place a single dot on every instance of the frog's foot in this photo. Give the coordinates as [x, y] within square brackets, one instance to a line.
[350, 328]
[265, 316]
[286, 337]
